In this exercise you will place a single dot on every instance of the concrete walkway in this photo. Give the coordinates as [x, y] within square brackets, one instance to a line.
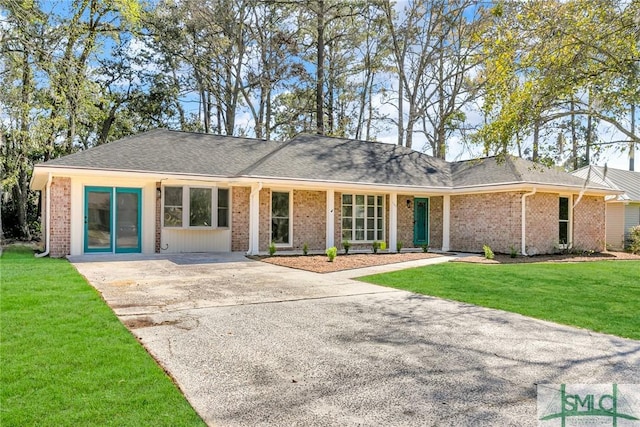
[251, 343]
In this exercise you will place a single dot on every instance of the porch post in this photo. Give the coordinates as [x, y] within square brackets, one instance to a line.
[329, 240]
[393, 221]
[254, 219]
[446, 223]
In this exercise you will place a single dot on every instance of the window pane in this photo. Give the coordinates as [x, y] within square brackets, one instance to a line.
[347, 223]
[380, 211]
[173, 206]
[370, 235]
[563, 237]
[346, 234]
[347, 199]
[280, 230]
[564, 208]
[380, 235]
[379, 224]
[370, 200]
[360, 199]
[359, 211]
[360, 224]
[370, 223]
[379, 200]
[173, 196]
[370, 211]
[200, 207]
[359, 235]
[223, 207]
[347, 211]
[280, 205]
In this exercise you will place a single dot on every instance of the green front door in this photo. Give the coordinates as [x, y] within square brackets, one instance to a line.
[112, 219]
[421, 222]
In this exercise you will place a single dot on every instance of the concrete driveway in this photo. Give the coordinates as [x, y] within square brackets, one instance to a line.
[251, 343]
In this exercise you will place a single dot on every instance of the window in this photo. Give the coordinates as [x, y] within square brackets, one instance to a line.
[173, 206]
[362, 217]
[196, 207]
[223, 207]
[563, 235]
[280, 230]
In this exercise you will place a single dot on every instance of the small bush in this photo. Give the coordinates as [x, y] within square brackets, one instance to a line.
[399, 245]
[375, 246]
[425, 248]
[305, 249]
[346, 245]
[272, 248]
[634, 236]
[488, 253]
[513, 252]
[332, 252]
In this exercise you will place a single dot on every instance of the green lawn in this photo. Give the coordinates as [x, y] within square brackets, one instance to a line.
[603, 296]
[66, 360]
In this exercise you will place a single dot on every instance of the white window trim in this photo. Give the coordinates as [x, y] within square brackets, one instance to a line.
[289, 244]
[569, 243]
[186, 207]
[353, 230]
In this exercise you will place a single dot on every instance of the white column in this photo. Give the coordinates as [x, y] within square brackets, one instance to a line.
[254, 219]
[330, 218]
[446, 222]
[393, 221]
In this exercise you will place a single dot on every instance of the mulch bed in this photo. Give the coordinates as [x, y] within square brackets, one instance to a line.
[320, 264]
[506, 259]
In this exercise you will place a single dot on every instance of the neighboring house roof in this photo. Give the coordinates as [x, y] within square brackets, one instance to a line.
[306, 158]
[627, 181]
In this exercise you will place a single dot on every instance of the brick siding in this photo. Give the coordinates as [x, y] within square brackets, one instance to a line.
[405, 220]
[240, 218]
[60, 243]
[309, 219]
[435, 221]
[492, 219]
[589, 224]
[542, 223]
[265, 219]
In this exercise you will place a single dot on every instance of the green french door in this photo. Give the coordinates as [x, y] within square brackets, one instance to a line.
[112, 219]
[420, 221]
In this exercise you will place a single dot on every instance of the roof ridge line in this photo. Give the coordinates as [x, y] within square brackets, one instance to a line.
[263, 159]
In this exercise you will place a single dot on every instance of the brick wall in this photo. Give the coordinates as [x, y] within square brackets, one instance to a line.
[542, 223]
[60, 243]
[492, 219]
[405, 220]
[589, 224]
[240, 218]
[435, 222]
[309, 219]
[158, 219]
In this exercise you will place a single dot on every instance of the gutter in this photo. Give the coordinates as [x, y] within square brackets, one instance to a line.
[523, 249]
[47, 228]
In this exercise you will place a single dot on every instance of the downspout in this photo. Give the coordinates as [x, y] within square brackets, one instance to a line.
[254, 193]
[47, 220]
[523, 249]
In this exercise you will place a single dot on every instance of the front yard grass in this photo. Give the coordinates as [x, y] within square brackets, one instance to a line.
[65, 359]
[603, 296]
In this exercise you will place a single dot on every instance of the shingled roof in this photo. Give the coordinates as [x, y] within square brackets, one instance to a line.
[307, 158]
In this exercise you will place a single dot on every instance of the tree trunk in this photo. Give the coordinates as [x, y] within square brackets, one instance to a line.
[320, 70]
[632, 144]
[574, 139]
[536, 141]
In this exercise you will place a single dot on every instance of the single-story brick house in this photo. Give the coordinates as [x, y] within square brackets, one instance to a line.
[169, 191]
[622, 210]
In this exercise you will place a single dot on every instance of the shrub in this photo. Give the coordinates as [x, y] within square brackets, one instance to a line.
[305, 249]
[425, 248]
[272, 248]
[346, 245]
[332, 252]
[488, 253]
[634, 235]
[513, 252]
[375, 246]
[399, 246]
